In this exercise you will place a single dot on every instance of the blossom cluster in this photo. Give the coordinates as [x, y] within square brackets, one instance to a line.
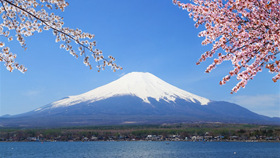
[23, 18]
[247, 30]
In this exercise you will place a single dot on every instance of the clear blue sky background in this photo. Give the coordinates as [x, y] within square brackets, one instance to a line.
[143, 35]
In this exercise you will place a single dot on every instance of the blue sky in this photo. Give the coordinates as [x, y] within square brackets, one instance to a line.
[143, 35]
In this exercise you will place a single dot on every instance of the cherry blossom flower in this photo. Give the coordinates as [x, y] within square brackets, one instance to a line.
[23, 18]
[247, 30]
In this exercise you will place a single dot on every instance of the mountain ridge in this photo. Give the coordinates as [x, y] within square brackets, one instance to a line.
[139, 98]
[142, 85]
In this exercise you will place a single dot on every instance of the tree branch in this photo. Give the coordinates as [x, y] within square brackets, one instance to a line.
[44, 22]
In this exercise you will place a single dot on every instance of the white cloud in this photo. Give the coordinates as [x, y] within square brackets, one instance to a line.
[31, 93]
[268, 104]
[122, 74]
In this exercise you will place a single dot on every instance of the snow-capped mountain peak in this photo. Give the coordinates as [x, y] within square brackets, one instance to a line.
[139, 84]
[133, 98]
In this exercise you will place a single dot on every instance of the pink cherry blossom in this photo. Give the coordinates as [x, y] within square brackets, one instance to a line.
[247, 30]
[23, 18]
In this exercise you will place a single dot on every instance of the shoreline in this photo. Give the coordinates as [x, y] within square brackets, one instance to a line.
[230, 141]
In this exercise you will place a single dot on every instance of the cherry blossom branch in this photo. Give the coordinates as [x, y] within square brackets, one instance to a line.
[28, 15]
[43, 21]
[248, 32]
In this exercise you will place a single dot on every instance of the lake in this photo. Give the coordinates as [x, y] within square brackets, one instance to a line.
[138, 149]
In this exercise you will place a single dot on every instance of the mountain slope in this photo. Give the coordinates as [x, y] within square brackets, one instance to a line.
[137, 97]
[142, 85]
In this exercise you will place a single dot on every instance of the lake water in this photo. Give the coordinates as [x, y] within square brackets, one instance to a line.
[138, 149]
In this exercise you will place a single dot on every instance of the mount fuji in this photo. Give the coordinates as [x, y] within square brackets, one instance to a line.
[138, 98]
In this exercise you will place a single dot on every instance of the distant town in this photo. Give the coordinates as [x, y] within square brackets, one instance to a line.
[173, 132]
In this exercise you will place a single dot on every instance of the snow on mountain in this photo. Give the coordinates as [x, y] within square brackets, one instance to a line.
[139, 84]
[137, 97]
